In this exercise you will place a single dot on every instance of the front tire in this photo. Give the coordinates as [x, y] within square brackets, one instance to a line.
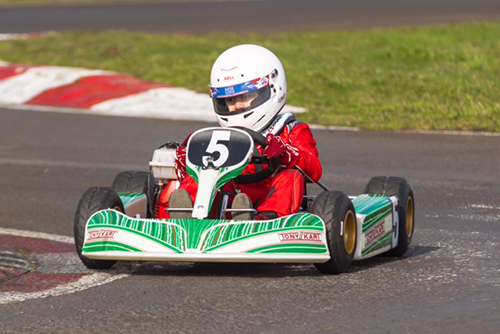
[93, 200]
[397, 186]
[136, 182]
[337, 212]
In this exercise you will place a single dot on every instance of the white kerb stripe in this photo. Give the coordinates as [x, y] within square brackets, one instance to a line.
[170, 103]
[25, 86]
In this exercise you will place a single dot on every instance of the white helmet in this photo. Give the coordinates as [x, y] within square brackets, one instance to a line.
[248, 73]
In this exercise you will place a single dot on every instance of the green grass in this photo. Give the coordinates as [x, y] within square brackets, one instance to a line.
[439, 77]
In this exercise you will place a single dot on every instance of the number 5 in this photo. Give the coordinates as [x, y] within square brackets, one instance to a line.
[215, 146]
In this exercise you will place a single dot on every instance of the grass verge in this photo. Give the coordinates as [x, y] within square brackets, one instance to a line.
[430, 78]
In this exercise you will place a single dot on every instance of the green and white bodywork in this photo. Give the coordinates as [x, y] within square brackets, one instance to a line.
[301, 237]
[295, 238]
[377, 221]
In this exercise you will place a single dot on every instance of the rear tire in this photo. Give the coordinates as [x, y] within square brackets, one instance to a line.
[397, 186]
[137, 182]
[93, 200]
[337, 212]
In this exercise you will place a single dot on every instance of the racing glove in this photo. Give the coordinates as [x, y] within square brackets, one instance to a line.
[180, 162]
[277, 147]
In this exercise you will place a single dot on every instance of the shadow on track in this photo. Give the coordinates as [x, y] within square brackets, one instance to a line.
[262, 270]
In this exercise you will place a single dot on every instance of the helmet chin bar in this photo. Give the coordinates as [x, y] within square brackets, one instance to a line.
[247, 120]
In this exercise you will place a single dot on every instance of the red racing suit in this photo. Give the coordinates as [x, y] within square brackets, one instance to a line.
[283, 192]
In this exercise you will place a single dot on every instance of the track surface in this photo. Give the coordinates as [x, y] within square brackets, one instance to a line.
[447, 283]
[248, 16]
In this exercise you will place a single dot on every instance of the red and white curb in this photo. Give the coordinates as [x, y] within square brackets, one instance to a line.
[53, 267]
[102, 92]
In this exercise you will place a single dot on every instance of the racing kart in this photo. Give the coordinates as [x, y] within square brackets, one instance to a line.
[129, 220]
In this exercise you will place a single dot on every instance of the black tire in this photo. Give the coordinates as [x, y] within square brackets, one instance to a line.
[93, 200]
[337, 212]
[137, 182]
[397, 186]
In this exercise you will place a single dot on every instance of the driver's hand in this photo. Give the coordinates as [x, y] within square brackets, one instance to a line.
[180, 162]
[277, 147]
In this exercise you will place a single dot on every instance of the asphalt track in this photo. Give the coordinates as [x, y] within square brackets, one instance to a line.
[448, 282]
[262, 16]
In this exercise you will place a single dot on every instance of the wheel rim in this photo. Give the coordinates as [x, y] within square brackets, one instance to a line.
[349, 232]
[409, 217]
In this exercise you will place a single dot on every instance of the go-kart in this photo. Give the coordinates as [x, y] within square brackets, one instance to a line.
[127, 220]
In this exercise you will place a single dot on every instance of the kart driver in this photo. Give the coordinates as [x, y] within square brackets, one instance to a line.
[248, 89]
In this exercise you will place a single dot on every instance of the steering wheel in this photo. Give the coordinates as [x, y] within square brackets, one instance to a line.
[272, 164]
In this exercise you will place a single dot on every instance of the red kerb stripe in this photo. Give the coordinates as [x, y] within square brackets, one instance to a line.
[91, 90]
[12, 70]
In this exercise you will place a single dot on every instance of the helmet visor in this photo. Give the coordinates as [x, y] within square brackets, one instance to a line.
[240, 98]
